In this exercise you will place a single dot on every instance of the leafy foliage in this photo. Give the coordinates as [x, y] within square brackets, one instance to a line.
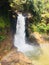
[4, 22]
[40, 16]
[2, 37]
[38, 8]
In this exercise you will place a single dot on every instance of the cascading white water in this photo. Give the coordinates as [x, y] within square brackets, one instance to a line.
[19, 38]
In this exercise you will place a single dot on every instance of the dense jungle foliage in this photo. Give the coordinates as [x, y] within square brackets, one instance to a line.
[39, 10]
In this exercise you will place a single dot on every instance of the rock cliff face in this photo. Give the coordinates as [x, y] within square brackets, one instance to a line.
[39, 38]
[15, 58]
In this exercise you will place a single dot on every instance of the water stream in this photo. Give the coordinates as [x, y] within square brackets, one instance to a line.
[20, 39]
[38, 56]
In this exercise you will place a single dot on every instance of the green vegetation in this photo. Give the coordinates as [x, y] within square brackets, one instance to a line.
[4, 27]
[38, 8]
[40, 11]
[4, 21]
[2, 37]
[41, 28]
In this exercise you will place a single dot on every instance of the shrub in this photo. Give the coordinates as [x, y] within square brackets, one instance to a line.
[2, 23]
[42, 27]
[2, 37]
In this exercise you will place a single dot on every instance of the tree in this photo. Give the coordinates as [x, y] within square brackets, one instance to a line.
[34, 7]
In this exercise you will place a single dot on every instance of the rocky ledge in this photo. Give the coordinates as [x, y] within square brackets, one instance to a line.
[15, 58]
[39, 38]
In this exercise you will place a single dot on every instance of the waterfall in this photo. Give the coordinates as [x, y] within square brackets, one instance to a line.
[19, 38]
